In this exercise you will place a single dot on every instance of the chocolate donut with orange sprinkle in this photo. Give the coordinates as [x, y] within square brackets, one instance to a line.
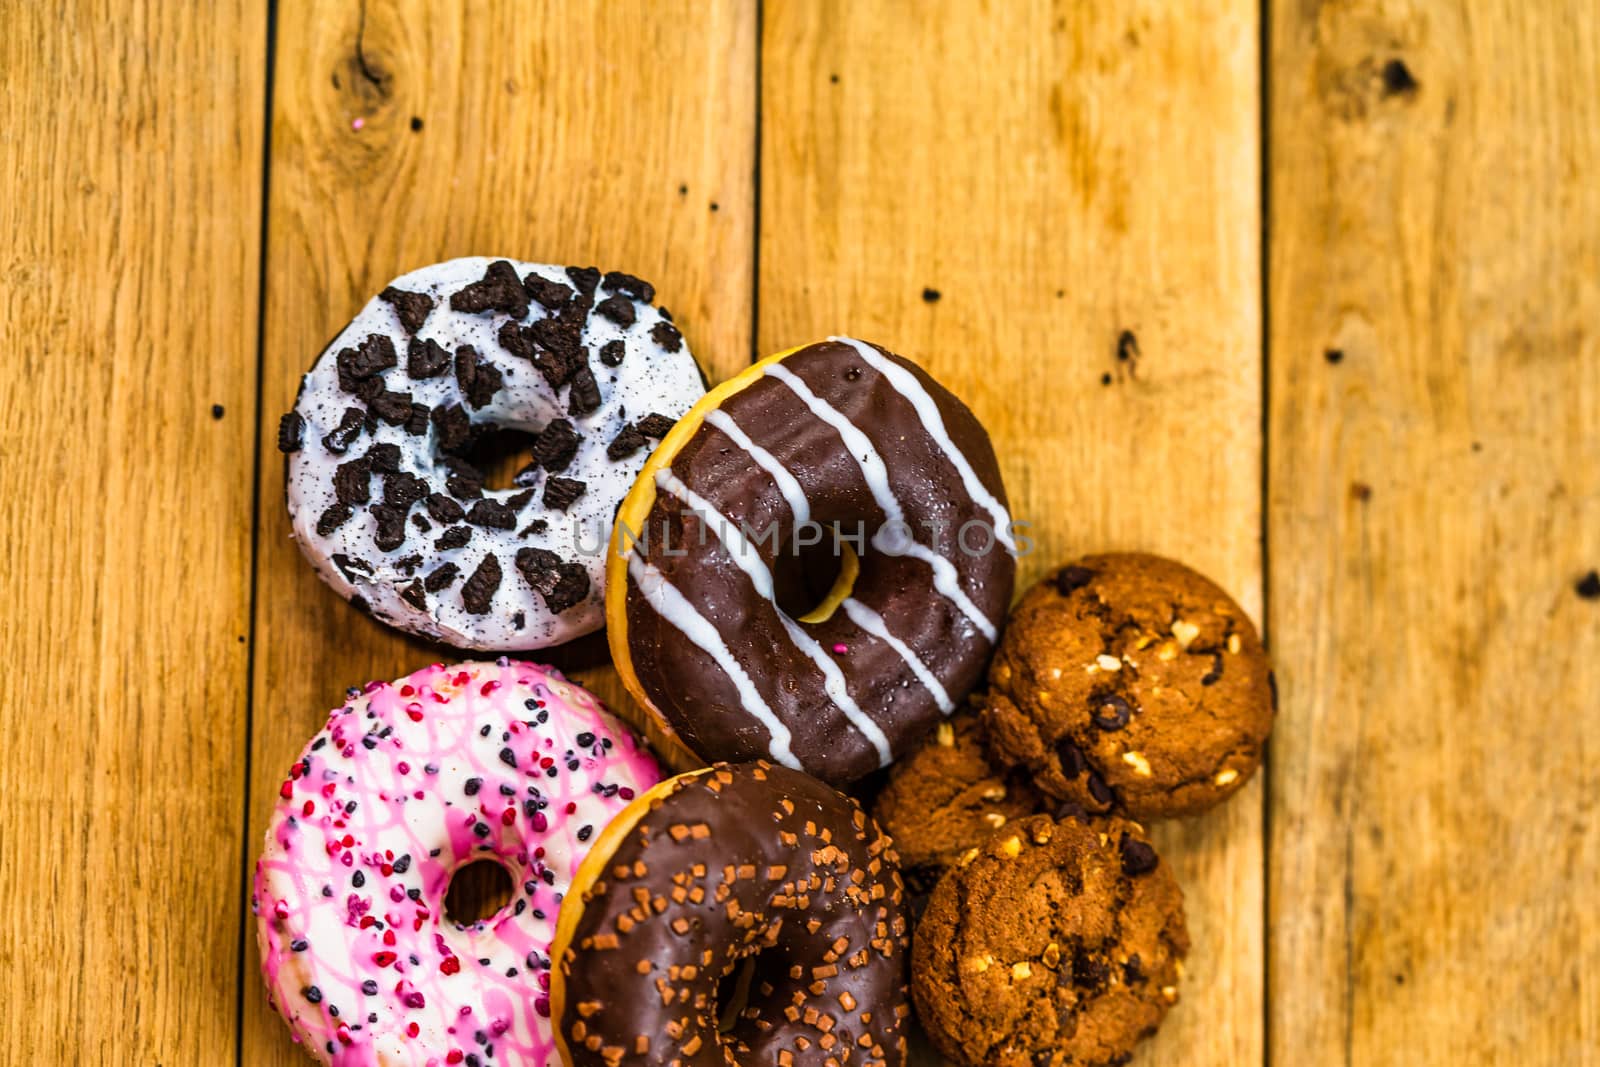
[742, 913]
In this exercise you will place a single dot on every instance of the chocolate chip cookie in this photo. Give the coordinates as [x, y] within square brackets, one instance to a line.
[1129, 682]
[945, 796]
[1056, 944]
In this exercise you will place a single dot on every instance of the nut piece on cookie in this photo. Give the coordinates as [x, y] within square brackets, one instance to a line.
[945, 797]
[1130, 682]
[1058, 944]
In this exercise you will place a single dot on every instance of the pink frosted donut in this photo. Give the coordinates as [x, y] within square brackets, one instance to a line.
[408, 782]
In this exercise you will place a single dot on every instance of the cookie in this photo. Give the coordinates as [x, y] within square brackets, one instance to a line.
[1059, 944]
[945, 796]
[1129, 682]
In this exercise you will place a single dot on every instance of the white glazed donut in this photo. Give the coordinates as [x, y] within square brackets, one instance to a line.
[408, 782]
[393, 517]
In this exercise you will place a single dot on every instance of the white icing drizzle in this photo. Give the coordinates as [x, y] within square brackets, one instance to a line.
[873, 623]
[876, 473]
[672, 606]
[787, 485]
[905, 383]
[749, 561]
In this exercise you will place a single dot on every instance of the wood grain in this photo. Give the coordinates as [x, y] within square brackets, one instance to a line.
[620, 135]
[1435, 495]
[1059, 174]
[130, 176]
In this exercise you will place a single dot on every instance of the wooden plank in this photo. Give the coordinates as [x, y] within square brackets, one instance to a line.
[130, 177]
[620, 134]
[1059, 173]
[1435, 495]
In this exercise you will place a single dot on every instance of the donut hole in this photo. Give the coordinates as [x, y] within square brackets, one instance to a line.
[498, 453]
[477, 891]
[809, 580]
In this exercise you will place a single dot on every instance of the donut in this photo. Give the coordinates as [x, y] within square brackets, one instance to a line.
[751, 880]
[383, 497]
[840, 442]
[407, 783]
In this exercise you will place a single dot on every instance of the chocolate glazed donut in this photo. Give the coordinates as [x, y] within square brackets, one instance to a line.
[842, 437]
[718, 867]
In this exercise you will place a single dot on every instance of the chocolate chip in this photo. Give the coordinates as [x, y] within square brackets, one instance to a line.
[441, 577]
[426, 358]
[334, 517]
[556, 444]
[656, 426]
[384, 458]
[563, 585]
[443, 509]
[1089, 971]
[549, 294]
[454, 537]
[401, 490]
[499, 290]
[611, 353]
[1137, 857]
[559, 493]
[1112, 713]
[625, 444]
[413, 308]
[291, 431]
[1098, 789]
[479, 381]
[667, 336]
[479, 589]
[339, 440]
[370, 358]
[1071, 758]
[1070, 579]
[351, 566]
[392, 407]
[585, 396]
[492, 514]
[453, 426]
[1133, 970]
[1214, 675]
[617, 282]
[619, 309]
[352, 482]
[584, 278]
[1588, 586]
[391, 533]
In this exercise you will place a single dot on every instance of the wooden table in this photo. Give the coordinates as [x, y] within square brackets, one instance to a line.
[1307, 295]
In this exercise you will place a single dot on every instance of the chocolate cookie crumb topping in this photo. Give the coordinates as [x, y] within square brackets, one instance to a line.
[492, 514]
[549, 294]
[441, 577]
[479, 381]
[339, 440]
[560, 493]
[352, 482]
[667, 336]
[454, 537]
[561, 584]
[412, 308]
[426, 358]
[391, 532]
[453, 426]
[584, 399]
[556, 445]
[611, 353]
[291, 430]
[334, 517]
[585, 278]
[443, 509]
[370, 358]
[617, 282]
[500, 290]
[478, 592]
[625, 444]
[619, 309]
[655, 426]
